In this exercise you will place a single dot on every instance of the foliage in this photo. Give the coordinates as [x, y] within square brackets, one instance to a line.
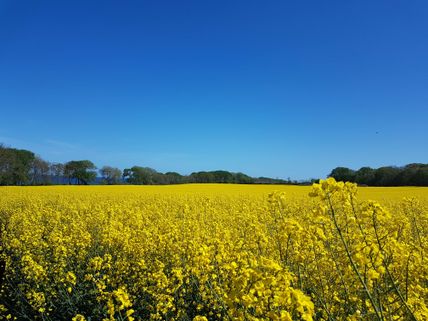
[220, 177]
[15, 165]
[409, 175]
[57, 172]
[174, 178]
[82, 171]
[140, 175]
[268, 180]
[147, 176]
[40, 172]
[111, 175]
[343, 174]
[212, 252]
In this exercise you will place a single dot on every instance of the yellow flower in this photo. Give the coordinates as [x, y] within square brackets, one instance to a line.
[71, 278]
[78, 317]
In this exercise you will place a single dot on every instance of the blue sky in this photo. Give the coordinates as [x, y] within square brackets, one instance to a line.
[272, 88]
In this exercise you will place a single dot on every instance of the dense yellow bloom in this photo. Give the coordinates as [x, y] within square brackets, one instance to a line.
[214, 252]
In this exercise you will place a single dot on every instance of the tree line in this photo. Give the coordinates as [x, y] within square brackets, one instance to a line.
[23, 167]
[415, 174]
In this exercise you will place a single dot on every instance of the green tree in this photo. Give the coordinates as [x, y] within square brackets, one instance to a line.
[81, 172]
[111, 175]
[15, 166]
[365, 176]
[343, 174]
[420, 178]
[202, 177]
[386, 176]
[174, 178]
[223, 177]
[39, 172]
[57, 172]
[7, 161]
[241, 178]
[140, 175]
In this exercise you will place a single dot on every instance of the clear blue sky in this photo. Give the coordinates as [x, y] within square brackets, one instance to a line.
[273, 88]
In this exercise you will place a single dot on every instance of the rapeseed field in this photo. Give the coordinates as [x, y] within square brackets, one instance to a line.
[214, 252]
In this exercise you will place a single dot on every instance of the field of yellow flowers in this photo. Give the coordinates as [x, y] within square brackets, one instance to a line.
[214, 252]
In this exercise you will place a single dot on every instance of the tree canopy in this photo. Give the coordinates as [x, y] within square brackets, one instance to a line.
[410, 175]
[111, 175]
[15, 166]
[82, 171]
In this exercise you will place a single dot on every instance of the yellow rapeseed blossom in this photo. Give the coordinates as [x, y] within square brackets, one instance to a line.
[78, 317]
[214, 252]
